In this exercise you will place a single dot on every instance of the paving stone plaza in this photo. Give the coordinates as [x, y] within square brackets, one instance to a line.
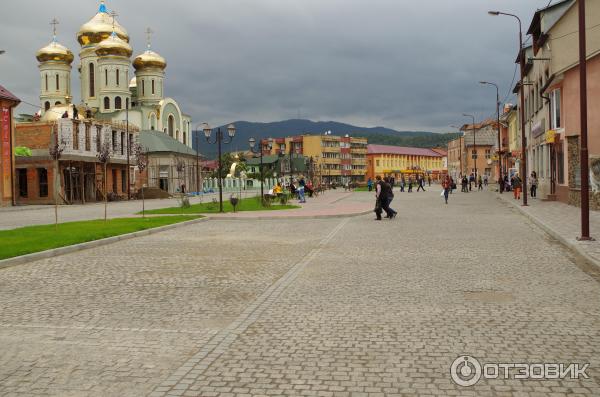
[306, 307]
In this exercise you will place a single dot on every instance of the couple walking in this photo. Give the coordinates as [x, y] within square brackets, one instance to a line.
[383, 197]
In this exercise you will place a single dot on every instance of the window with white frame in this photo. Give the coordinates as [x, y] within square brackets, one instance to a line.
[555, 109]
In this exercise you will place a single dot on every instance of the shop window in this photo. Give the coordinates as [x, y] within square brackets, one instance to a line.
[42, 174]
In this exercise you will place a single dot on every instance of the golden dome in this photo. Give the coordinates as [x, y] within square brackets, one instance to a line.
[133, 82]
[56, 113]
[99, 28]
[149, 59]
[114, 45]
[54, 52]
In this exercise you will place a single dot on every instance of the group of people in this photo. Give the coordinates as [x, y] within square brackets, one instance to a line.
[419, 181]
[384, 193]
[298, 188]
[516, 184]
[467, 183]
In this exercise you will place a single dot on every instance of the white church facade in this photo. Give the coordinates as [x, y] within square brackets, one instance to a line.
[108, 90]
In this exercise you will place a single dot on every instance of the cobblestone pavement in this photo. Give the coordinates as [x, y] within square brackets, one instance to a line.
[564, 220]
[330, 307]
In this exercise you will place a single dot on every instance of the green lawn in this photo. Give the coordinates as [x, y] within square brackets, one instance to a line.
[27, 240]
[248, 204]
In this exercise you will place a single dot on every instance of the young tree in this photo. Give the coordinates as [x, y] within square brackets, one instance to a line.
[103, 158]
[55, 150]
[141, 159]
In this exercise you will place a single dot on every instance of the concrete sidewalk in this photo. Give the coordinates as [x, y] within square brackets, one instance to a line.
[561, 221]
[333, 203]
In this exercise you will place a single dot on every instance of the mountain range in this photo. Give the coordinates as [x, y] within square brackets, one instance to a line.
[279, 129]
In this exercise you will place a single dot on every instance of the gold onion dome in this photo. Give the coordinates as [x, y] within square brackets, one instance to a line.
[149, 59]
[99, 28]
[55, 52]
[114, 45]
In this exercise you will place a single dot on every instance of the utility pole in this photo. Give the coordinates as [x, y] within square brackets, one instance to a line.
[585, 195]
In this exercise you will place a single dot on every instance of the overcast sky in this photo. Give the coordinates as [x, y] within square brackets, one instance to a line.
[408, 65]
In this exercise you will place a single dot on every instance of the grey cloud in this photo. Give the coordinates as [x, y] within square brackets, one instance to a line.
[402, 64]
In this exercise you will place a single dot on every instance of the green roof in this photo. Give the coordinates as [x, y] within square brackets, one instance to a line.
[157, 141]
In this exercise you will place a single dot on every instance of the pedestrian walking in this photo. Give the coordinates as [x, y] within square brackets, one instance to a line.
[301, 186]
[480, 183]
[370, 184]
[402, 183]
[383, 193]
[534, 183]
[485, 180]
[471, 181]
[516, 184]
[429, 180]
[447, 186]
[421, 183]
[464, 183]
[410, 183]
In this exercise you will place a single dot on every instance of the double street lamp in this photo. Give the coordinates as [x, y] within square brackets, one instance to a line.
[219, 140]
[500, 184]
[522, 106]
[269, 146]
[474, 147]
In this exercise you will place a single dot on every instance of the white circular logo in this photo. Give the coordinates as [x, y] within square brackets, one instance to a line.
[465, 371]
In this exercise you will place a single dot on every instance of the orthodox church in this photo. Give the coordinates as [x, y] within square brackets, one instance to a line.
[107, 91]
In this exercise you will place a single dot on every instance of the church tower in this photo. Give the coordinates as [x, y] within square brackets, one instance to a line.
[55, 72]
[98, 29]
[150, 75]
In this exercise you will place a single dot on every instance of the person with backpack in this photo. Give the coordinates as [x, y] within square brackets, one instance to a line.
[516, 184]
[446, 185]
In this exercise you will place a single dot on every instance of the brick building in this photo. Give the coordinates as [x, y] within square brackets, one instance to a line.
[78, 176]
[7, 103]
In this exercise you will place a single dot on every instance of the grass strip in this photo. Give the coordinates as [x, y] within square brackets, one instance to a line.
[248, 204]
[30, 239]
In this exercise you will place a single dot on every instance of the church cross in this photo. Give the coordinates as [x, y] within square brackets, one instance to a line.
[113, 14]
[54, 22]
[149, 37]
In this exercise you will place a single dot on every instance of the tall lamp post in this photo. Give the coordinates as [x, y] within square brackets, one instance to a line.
[252, 143]
[219, 140]
[474, 147]
[522, 106]
[498, 124]
[197, 133]
[460, 146]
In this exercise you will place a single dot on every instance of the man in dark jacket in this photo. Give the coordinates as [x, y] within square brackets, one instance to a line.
[383, 194]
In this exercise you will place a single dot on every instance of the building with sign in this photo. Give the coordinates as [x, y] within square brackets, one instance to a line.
[7, 103]
[398, 161]
[552, 101]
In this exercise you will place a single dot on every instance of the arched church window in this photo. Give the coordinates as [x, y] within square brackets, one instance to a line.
[118, 75]
[177, 135]
[171, 125]
[92, 80]
[143, 87]
[47, 105]
[106, 103]
[57, 103]
[106, 77]
[152, 86]
[126, 103]
[57, 82]
[184, 138]
[46, 78]
[118, 102]
[152, 121]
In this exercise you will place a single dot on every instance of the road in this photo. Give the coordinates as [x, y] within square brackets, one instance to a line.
[324, 307]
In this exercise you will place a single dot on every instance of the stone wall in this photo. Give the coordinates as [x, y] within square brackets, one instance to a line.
[574, 176]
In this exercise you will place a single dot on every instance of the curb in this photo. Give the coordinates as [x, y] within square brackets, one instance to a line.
[268, 218]
[571, 245]
[18, 260]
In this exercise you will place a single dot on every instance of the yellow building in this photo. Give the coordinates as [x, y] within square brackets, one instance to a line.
[398, 161]
[334, 159]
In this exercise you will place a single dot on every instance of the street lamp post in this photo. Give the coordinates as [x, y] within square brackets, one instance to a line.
[500, 185]
[460, 154]
[474, 146]
[219, 140]
[197, 160]
[522, 110]
[252, 143]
